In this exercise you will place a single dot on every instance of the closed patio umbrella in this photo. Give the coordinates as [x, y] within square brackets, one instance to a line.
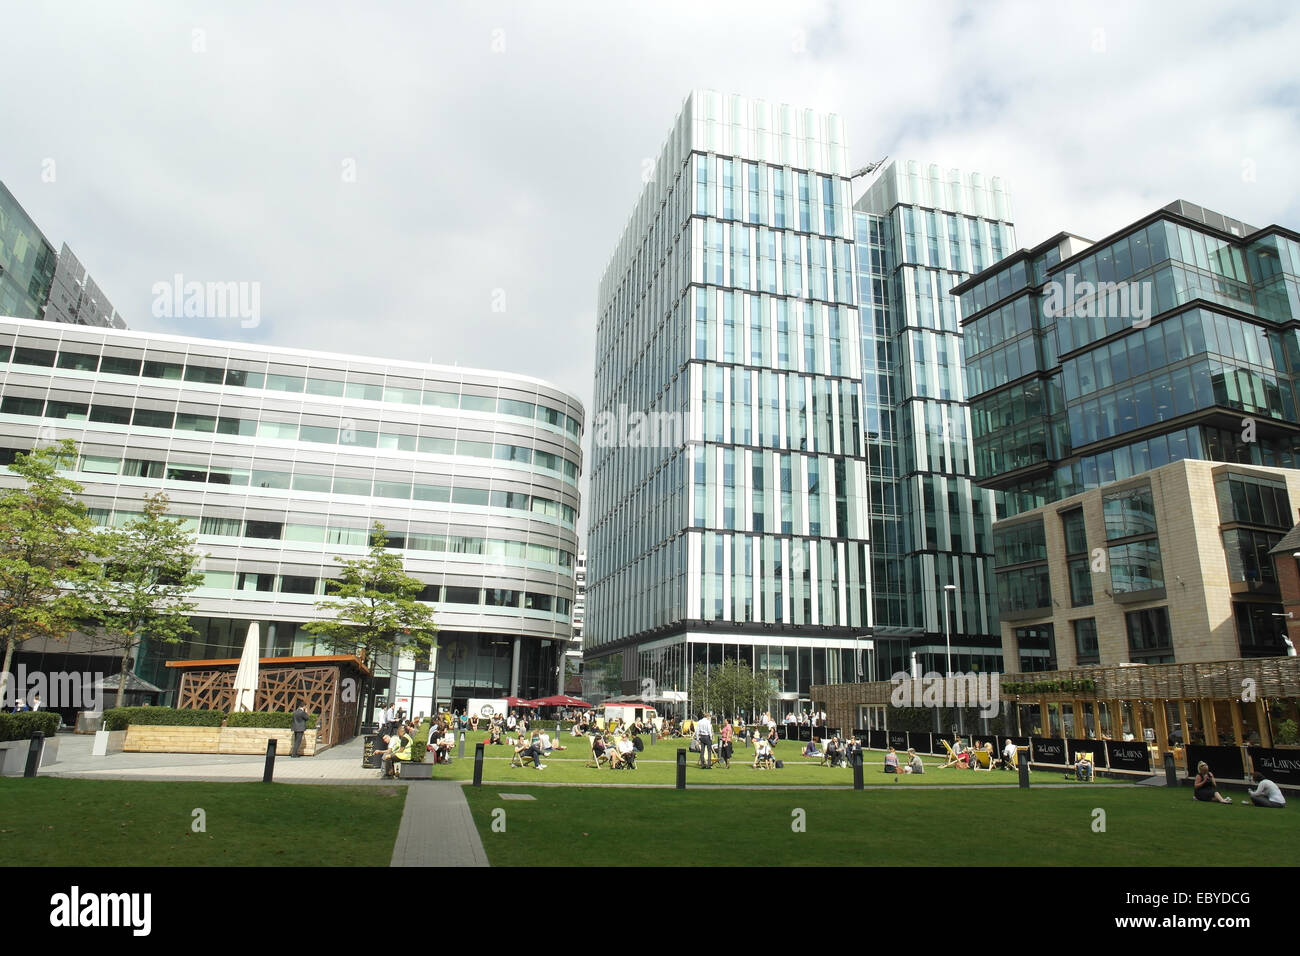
[246, 675]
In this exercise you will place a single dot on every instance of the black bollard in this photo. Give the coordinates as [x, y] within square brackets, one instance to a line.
[270, 761]
[1024, 768]
[478, 764]
[681, 769]
[34, 754]
[1171, 771]
[460, 749]
[857, 770]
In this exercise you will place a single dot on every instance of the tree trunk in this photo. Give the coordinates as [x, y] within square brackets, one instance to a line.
[9, 659]
[121, 677]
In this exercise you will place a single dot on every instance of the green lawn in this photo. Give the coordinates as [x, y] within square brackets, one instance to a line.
[56, 822]
[657, 765]
[1145, 826]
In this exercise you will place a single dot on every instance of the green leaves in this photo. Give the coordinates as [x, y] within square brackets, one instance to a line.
[374, 606]
[729, 689]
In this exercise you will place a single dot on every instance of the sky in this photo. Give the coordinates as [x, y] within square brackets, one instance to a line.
[446, 181]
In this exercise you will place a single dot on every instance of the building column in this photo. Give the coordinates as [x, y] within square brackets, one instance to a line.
[1096, 719]
[1161, 713]
[1209, 722]
[1182, 722]
[514, 668]
[1261, 719]
[1234, 708]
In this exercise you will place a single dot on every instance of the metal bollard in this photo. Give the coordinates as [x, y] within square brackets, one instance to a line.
[270, 761]
[34, 754]
[1024, 768]
[1171, 771]
[857, 770]
[460, 750]
[681, 769]
[478, 764]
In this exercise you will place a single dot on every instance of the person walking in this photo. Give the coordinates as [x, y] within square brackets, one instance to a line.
[299, 728]
[704, 729]
[724, 751]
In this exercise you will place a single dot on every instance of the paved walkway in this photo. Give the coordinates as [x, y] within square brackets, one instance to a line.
[436, 827]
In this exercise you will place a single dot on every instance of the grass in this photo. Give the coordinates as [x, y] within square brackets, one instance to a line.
[1144, 826]
[657, 764]
[50, 821]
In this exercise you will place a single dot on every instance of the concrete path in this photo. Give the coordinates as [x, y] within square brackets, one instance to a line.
[437, 829]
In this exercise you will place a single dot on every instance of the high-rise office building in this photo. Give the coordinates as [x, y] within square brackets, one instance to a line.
[281, 459]
[730, 495]
[1092, 369]
[920, 232]
[37, 283]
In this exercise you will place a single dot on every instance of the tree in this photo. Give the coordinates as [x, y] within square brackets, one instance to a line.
[147, 570]
[374, 606]
[45, 552]
[730, 689]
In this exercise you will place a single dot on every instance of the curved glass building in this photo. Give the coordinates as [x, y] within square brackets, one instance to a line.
[281, 459]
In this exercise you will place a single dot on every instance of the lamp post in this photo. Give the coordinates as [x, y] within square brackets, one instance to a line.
[948, 589]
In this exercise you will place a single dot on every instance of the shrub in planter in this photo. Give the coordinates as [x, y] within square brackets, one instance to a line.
[267, 718]
[1286, 734]
[119, 718]
[22, 726]
[420, 741]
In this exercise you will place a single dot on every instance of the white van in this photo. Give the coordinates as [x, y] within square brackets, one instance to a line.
[628, 712]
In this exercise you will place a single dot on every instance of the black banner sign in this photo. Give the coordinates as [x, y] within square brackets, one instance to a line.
[1280, 766]
[922, 743]
[1224, 762]
[897, 740]
[1128, 755]
[1048, 750]
[878, 740]
[373, 746]
[1094, 747]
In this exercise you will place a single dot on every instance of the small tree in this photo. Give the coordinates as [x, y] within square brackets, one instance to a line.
[45, 551]
[729, 689]
[374, 606]
[147, 570]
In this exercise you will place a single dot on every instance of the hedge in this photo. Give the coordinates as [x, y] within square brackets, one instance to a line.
[266, 718]
[119, 718]
[22, 726]
[420, 741]
[1049, 686]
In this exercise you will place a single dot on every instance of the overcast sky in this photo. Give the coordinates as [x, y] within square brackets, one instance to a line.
[499, 146]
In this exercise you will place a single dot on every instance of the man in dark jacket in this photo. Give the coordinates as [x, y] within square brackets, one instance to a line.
[299, 728]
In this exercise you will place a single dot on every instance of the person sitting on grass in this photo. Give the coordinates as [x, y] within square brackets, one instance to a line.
[811, 750]
[914, 764]
[494, 737]
[891, 761]
[1266, 792]
[1205, 788]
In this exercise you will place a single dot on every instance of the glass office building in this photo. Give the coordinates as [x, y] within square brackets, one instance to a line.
[921, 231]
[38, 283]
[1173, 338]
[729, 496]
[281, 459]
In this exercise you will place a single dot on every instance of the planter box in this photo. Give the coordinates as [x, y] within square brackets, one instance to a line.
[13, 755]
[417, 771]
[145, 738]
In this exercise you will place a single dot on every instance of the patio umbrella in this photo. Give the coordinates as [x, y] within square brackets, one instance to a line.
[246, 676]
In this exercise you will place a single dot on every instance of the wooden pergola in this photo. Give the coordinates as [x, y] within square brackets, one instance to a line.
[319, 682]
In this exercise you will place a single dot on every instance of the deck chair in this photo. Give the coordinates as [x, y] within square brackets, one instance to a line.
[595, 761]
[520, 759]
[1092, 766]
[952, 755]
[983, 760]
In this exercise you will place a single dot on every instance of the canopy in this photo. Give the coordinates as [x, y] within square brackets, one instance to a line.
[562, 700]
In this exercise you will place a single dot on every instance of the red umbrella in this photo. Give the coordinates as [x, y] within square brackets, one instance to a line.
[521, 702]
[563, 700]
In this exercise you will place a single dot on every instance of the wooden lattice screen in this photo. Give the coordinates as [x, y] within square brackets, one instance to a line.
[278, 689]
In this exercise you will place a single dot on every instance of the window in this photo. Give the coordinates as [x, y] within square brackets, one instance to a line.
[1129, 513]
[1085, 641]
[152, 418]
[1149, 640]
[96, 465]
[164, 370]
[26, 355]
[78, 361]
[110, 414]
[272, 530]
[204, 374]
[14, 405]
[458, 595]
[117, 365]
[297, 584]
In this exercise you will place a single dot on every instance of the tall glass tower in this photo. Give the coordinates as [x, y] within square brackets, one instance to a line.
[729, 488]
[920, 231]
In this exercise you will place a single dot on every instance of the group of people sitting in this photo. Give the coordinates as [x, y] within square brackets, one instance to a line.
[1265, 793]
[964, 758]
[837, 753]
[618, 750]
[531, 749]
[913, 765]
[399, 743]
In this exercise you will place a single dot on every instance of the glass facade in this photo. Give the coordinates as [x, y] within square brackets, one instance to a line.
[728, 319]
[1091, 363]
[27, 262]
[277, 472]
